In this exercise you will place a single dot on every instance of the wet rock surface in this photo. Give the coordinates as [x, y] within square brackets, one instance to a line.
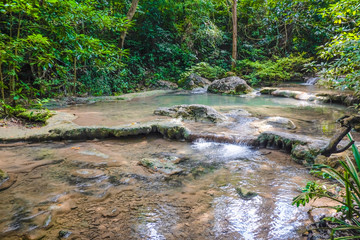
[276, 122]
[194, 81]
[87, 173]
[280, 122]
[166, 165]
[71, 131]
[196, 112]
[99, 191]
[245, 194]
[230, 85]
[347, 99]
[303, 149]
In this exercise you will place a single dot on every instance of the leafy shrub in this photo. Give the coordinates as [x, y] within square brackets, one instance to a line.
[36, 116]
[273, 71]
[205, 70]
[348, 197]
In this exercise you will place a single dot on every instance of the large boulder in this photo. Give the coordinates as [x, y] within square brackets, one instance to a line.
[194, 81]
[196, 112]
[230, 85]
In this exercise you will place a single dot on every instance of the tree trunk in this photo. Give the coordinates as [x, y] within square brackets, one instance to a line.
[2, 87]
[129, 16]
[74, 80]
[234, 42]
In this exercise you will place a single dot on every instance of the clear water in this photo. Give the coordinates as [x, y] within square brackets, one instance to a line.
[311, 117]
[98, 190]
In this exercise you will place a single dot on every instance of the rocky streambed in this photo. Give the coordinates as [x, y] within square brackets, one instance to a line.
[166, 166]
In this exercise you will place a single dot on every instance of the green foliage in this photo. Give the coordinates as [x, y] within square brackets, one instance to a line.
[13, 110]
[348, 198]
[35, 116]
[3, 175]
[205, 70]
[53, 45]
[273, 71]
[341, 56]
[72, 47]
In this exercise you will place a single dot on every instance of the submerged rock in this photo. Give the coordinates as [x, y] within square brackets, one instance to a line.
[280, 122]
[245, 194]
[230, 85]
[64, 234]
[87, 173]
[166, 165]
[270, 123]
[194, 81]
[238, 113]
[196, 112]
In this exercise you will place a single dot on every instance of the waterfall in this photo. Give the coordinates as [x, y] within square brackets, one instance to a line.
[311, 81]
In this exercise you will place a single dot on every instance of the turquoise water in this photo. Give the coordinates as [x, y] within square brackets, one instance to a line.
[312, 118]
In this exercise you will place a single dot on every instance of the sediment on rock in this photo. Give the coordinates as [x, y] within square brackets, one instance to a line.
[60, 127]
[222, 138]
[346, 99]
[168, 130]
[195, 112]
[303, 149]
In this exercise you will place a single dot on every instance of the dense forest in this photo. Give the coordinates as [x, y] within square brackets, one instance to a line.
[108, 47]
[180, 154]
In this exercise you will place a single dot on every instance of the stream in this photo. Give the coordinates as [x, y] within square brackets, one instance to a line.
[97, 189]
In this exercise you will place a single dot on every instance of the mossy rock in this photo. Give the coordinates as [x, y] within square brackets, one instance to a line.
[267, 90]
[3, 175]
[36, 115]
[196, 112]
[230, 85]
[165, 165]
[193, 81]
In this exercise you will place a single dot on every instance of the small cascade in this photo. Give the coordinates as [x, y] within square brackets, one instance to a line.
[223, 151]
[199, 90]
[311, 81]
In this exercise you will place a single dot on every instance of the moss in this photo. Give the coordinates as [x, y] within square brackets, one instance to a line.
[183, 83]
[202, 170]
[267, 90]
[3, 175]
[36, 115]
[147, 163]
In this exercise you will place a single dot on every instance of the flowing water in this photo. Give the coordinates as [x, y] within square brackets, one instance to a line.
[98, 190]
